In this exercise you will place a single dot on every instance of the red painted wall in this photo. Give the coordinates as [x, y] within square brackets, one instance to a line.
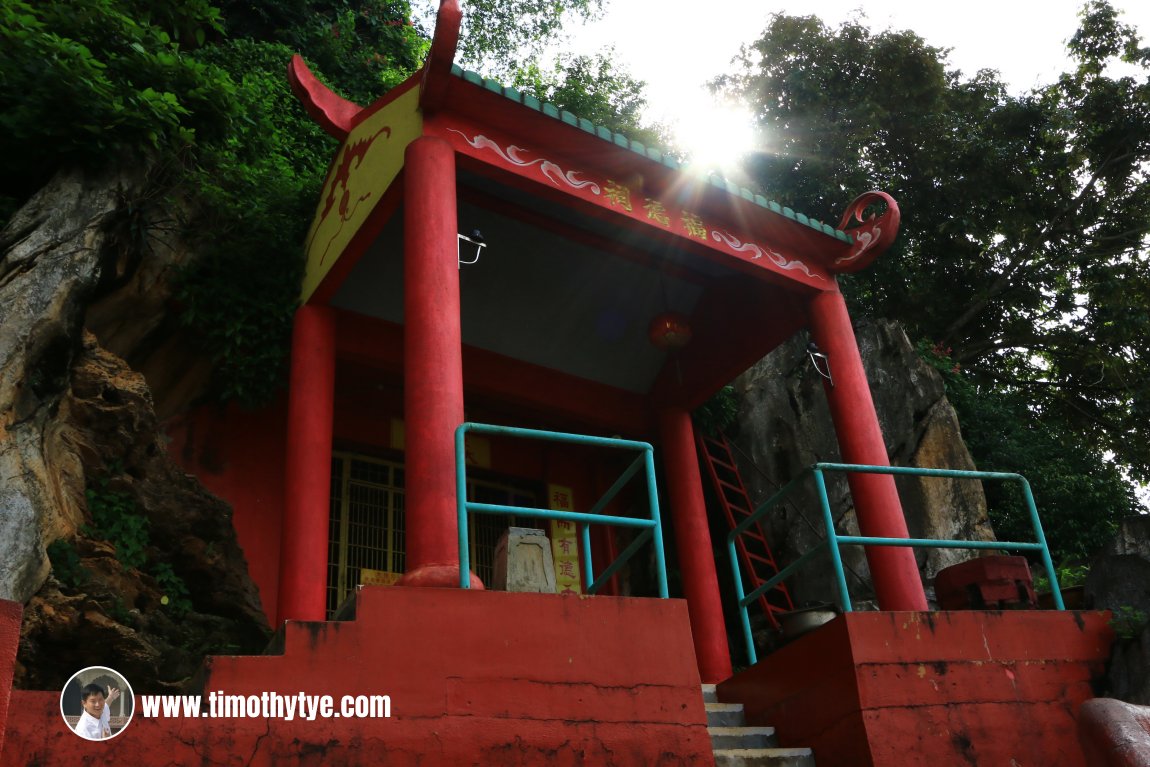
[902, 689]
[239, 456]
[474, 678]
[10, 616]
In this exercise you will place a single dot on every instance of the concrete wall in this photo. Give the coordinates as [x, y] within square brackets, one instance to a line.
[890, 689]
[485, 678]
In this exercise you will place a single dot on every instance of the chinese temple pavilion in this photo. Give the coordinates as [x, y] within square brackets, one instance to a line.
[480, 257]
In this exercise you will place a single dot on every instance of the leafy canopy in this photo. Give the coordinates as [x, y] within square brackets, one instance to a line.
[593, 87]
[500, 37]
[1023, 250]
[83, 83]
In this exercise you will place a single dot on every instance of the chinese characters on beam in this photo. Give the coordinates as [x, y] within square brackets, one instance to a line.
[620, 196]
[564, 542]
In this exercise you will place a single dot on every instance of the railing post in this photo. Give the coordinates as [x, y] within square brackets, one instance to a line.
[657, 531]
[833, 542]
[461, 507]
[651, 527]
[1055, 588]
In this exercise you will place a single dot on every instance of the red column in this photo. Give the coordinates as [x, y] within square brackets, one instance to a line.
[432, 362]
[896, 579]
[693, 540]
[10, 616]
[307, 485]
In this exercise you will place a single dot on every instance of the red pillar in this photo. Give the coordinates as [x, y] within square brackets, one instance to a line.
[10, 616]
[432, 362]
[693, 541]
[894, 571]
[307, 485]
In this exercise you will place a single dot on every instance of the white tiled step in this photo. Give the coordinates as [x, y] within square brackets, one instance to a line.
[742, 737]
[724, 714]
[709, 693]
[764, 757]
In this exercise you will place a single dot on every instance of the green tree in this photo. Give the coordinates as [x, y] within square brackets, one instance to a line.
[501, 37]
[1024, 241]
[90, 82]
[255, 197]
[362, 47]
[595, 88]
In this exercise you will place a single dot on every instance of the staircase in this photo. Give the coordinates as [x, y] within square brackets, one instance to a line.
[736, 745]
[758, 563]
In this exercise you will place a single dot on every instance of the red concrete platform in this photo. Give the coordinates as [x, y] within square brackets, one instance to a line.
[886, 689]
[474, 677]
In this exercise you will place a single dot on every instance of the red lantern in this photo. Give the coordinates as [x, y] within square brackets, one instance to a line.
[669, 330]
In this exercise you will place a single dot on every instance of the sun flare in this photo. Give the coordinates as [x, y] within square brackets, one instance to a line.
[715, 136]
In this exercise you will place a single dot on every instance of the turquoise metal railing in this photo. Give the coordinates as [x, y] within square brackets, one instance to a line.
[651, 530]
[833, 540]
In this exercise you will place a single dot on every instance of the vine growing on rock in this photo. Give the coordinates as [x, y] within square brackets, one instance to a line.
[118, 519]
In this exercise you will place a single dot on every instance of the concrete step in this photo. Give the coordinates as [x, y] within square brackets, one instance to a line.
[709, 693]
[724, 714]
[764, 757]
[742, 737]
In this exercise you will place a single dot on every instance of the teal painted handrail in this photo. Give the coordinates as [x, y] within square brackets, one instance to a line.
[834, 540]
[651, 529]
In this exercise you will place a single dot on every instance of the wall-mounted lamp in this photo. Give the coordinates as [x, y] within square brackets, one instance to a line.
[821, 362]
[476, 241]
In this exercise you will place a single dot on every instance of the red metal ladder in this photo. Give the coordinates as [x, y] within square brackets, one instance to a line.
[754, 552]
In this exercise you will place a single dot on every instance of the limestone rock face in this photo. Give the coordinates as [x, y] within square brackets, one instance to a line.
[51, 263]
[785, 426]
[1119, 580]
[101, 606]
[74, 417]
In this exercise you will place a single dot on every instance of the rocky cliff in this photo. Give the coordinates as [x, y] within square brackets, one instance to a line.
[785, 426]
[121, 558]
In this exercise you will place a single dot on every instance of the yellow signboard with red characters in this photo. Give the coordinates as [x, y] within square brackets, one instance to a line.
[368, 162]
[564, 542]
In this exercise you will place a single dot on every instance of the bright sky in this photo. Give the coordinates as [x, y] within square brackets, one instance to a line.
[676, 46]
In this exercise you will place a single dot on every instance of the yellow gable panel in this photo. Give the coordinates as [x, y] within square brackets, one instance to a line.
[369, 160]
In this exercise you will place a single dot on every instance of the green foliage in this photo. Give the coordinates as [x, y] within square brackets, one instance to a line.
[120, 613]
[1023, 245]
[255, 198]
[66, 564]
[1080, 494]
[365, 47]
[1068, 576]
[117, 519]
[592, 87]
[1128, 622]
[176, 598]
[84, 81]
[717, 413]
[500, 37]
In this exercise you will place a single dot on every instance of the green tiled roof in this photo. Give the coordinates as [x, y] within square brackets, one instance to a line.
[650, 152]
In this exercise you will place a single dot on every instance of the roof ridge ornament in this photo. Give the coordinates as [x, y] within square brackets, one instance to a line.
[437, 68]
[335, 114]
[872, 234]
